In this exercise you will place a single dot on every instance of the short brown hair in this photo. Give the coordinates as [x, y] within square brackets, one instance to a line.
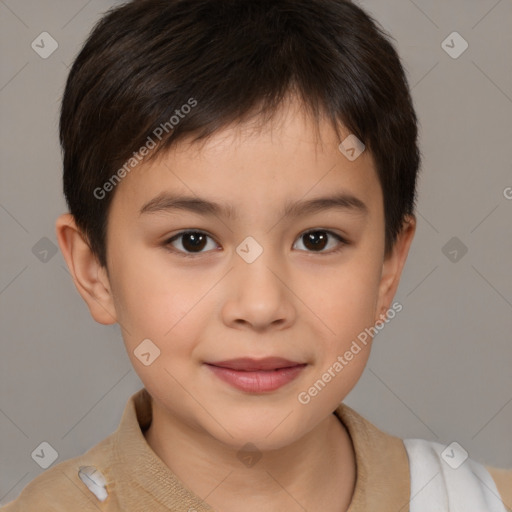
[147, 58]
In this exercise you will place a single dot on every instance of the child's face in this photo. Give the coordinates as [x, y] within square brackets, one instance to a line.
[298, 299]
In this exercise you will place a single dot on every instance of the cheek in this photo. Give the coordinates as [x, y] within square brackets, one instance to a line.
[347, 307]
[151, 298]
[157, 303]
[348, 295]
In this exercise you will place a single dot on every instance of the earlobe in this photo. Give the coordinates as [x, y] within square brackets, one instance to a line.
[89, 276]
[393, 266]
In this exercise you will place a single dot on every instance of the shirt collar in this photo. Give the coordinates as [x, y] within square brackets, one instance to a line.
[382, 481]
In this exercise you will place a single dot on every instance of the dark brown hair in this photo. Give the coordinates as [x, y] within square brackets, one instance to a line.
[145, 60]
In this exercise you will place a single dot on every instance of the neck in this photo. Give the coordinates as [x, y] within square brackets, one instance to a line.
[317, 472]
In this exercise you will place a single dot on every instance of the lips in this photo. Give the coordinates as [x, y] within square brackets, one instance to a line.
[257, 375]
[250, 365]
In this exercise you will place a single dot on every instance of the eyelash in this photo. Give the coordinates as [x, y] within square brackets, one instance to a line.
[167, 243]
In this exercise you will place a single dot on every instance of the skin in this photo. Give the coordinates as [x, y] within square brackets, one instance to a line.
[293, 301]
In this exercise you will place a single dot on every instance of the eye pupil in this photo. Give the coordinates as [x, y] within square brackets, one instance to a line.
[318, 239]
[197, 241]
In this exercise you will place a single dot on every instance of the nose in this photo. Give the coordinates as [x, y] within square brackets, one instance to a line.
[258, 294]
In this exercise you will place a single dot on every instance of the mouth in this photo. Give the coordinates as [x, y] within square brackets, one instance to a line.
[257, 375]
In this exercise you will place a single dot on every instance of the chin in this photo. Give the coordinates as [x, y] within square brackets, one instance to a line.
[269, 433]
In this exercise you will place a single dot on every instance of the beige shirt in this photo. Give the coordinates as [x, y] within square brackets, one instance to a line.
[139, 481]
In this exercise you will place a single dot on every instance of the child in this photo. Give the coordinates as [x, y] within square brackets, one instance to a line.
[278, 140]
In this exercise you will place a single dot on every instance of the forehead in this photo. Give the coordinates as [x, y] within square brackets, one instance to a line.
[254, 165]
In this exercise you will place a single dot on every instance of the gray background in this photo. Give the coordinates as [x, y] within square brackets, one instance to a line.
[440, 370]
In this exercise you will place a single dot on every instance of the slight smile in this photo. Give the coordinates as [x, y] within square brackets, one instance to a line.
[257, 375]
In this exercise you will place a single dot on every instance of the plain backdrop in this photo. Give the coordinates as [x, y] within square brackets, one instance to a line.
[441, 370]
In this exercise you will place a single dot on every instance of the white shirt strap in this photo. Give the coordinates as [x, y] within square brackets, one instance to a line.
[444, 479]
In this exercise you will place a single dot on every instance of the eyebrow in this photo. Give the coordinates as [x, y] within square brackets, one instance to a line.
[167, 202]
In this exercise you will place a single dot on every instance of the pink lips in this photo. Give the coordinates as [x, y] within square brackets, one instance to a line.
[257, 375]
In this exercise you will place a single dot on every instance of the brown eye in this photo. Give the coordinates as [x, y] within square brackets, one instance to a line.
[318, 240]
[191, 242]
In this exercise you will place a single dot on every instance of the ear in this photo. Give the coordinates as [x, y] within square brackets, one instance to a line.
[393, 265]
[91, 279]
